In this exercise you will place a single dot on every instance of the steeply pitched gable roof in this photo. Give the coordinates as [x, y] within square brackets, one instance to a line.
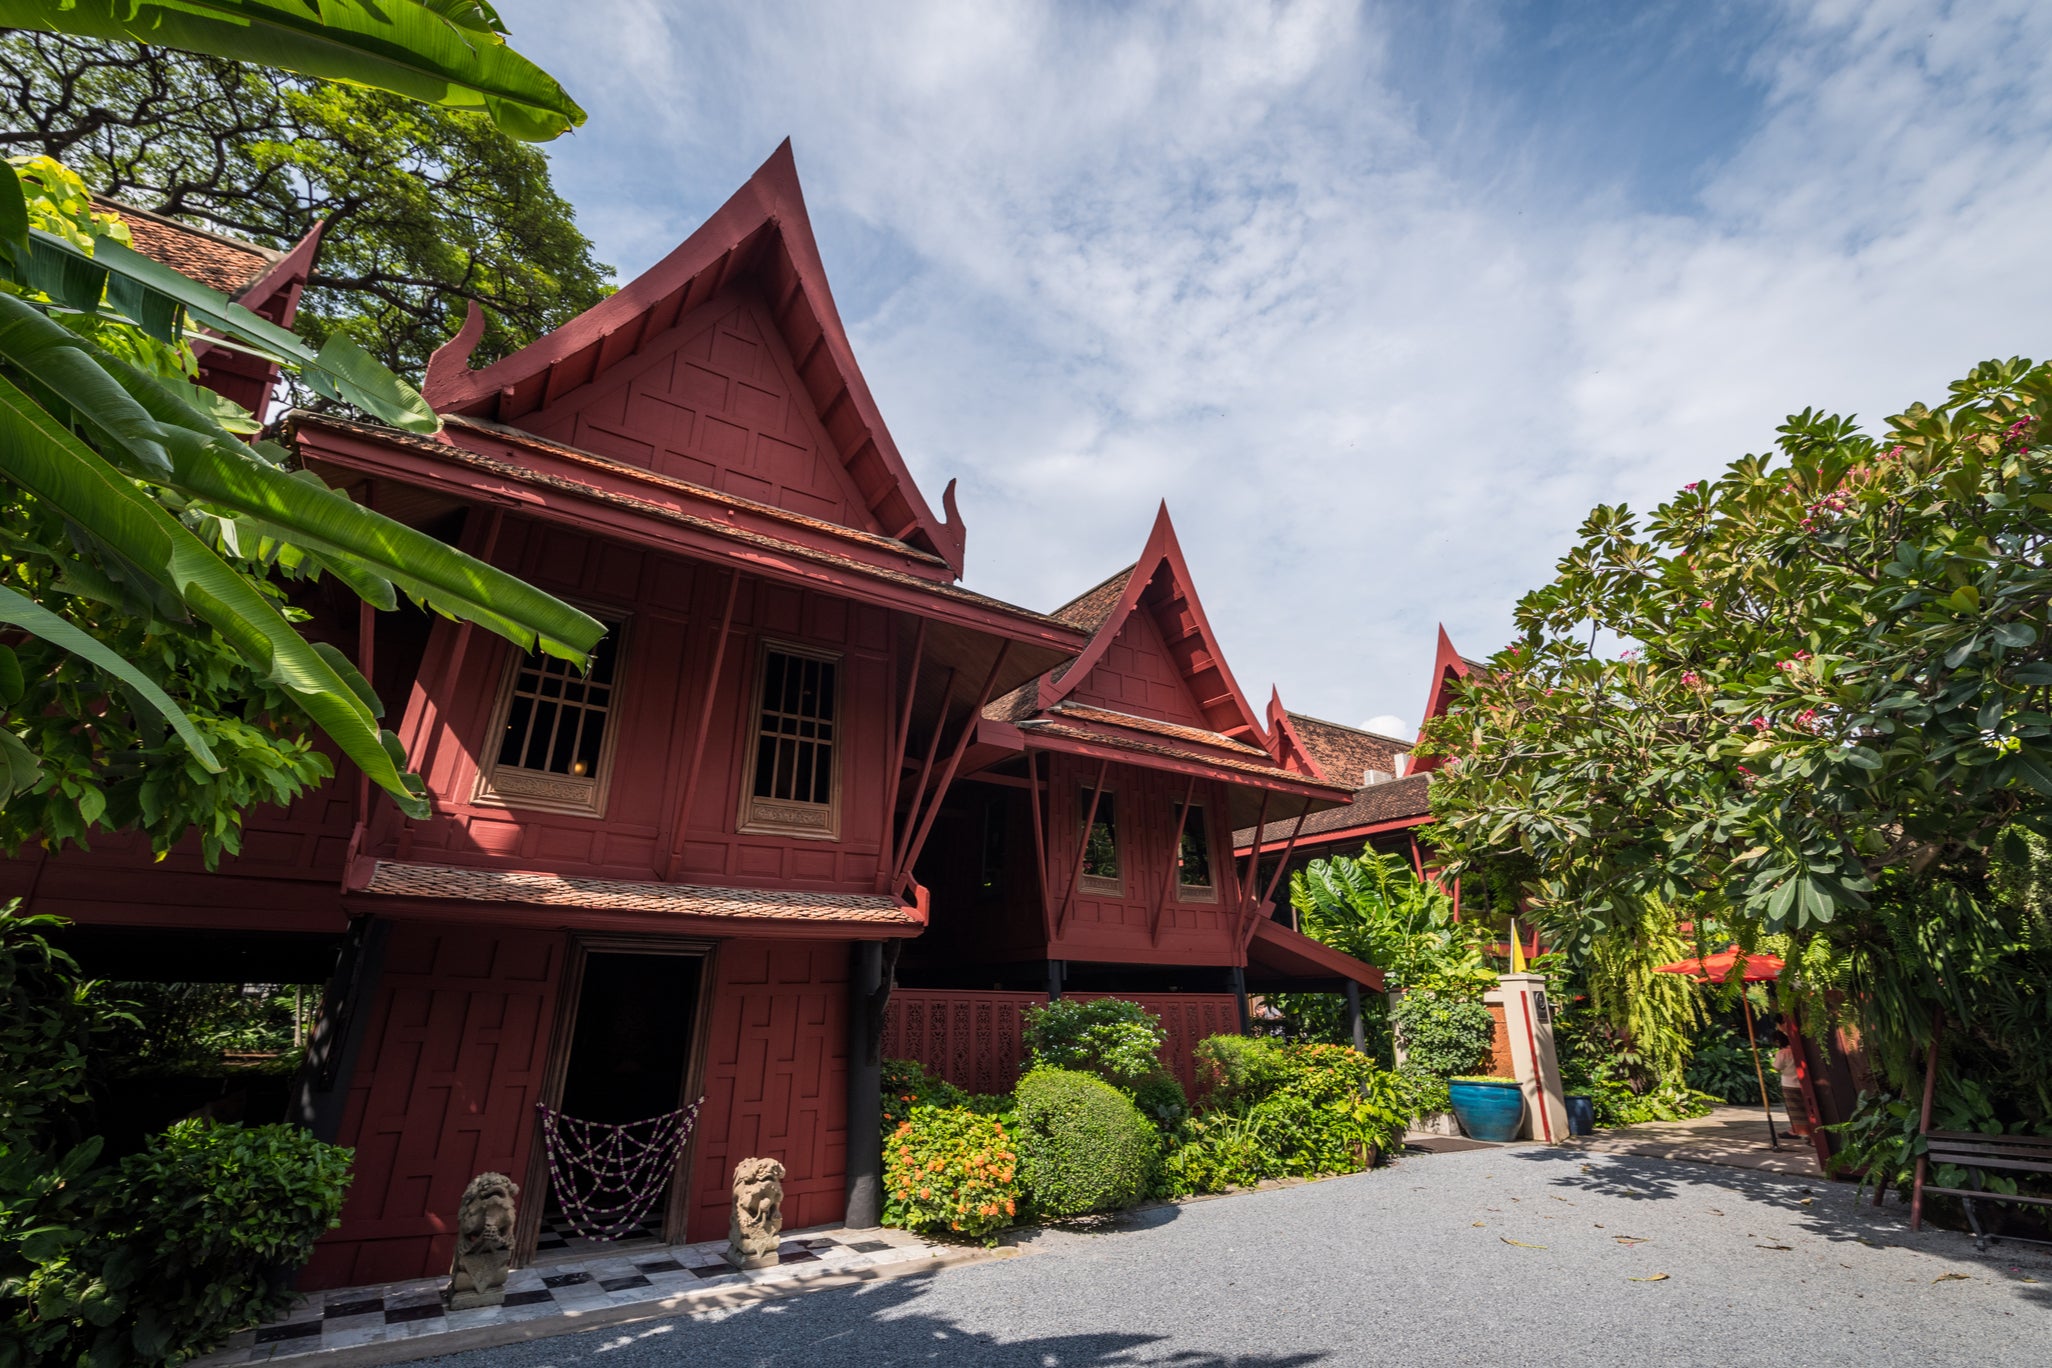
[1159, 584]
[1448, 665]
[762, 234]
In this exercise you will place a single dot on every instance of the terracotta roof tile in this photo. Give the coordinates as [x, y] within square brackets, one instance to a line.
[1086, 713]
[1264, 769]
[1090, 608]
[512, 470]
[220, 263]
[1391, 801]
[1347, 753]
[405, 879]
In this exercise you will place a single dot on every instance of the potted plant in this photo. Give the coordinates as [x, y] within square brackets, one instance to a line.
[1489, 1107]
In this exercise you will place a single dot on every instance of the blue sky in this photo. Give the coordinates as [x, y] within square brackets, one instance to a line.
[1382, 299]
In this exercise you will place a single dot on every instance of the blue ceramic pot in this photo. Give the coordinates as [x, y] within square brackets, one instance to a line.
[1581, 1111]
[1488, 1111]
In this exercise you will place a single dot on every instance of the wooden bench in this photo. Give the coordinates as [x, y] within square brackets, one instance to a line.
[1979, 1154]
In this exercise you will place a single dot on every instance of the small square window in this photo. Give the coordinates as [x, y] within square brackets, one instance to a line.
[1193, 859]
[554, 733]
[793, 782]
[1101, 842]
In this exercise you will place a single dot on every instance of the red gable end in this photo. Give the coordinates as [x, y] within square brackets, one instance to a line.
[725, 364]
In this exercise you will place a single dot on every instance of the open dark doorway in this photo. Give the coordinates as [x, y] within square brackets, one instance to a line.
[630, 1059]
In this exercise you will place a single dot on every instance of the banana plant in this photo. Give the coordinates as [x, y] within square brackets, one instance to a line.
[451, 53]
[120, 452]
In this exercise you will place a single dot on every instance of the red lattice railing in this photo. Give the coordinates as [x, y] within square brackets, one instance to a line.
[976, 1041]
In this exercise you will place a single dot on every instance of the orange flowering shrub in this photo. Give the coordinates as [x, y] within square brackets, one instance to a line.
[949, 1170]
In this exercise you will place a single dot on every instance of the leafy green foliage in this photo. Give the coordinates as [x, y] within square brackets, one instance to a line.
[906, 1085]
[1083, 1146]
[1653, 1017]
[424, 207]
[1233, 1068]
[1830, 724]
[1161, 1099]
[177, 1245]
[155, 1258]
[1722, 1066]
[1290, 1111]
[1117, 1040]
[950, 1169]
[1442, 1036]
[451, 54]
[1375, 908]
[135, 516]
[49, 1020]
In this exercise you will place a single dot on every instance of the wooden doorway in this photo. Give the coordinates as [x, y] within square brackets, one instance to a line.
[628, 1043]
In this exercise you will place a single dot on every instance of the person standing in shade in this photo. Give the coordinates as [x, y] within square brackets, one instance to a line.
[1788, 1064]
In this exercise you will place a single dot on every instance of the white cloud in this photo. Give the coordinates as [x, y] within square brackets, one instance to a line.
[1095, 258]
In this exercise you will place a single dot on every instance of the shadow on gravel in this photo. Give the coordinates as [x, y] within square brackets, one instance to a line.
[871, 1324]
[1824, 1208]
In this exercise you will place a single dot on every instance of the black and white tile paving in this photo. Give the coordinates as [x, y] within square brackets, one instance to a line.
[342, 1318]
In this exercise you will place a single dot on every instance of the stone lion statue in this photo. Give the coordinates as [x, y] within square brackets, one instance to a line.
[758, 1216]
[484, 1243]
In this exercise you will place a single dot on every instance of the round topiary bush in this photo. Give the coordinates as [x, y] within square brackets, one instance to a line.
[1083, 1146]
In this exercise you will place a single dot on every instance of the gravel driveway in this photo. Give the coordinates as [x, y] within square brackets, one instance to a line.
[1493, 1256]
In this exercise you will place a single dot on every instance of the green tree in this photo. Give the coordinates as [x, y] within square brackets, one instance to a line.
[139, 509]
[1807, 699]
[424, 207]
[450, 53]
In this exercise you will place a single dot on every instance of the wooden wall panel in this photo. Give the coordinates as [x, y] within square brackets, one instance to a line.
[776, 1080]
[1137, 674]
[1113, 927]
[450, 1070]
[672, 610]
[716, 401]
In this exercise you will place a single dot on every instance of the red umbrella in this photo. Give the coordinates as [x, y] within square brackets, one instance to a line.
[1718, 968]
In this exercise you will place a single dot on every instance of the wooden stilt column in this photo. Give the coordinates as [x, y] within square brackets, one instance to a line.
[865, 1088]
[1240, 998]
[1354, 1022]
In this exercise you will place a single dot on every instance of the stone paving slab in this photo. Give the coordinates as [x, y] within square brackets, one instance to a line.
[392, 1322]
[1733, 1136]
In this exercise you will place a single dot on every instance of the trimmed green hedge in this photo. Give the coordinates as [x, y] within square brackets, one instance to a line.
[1083, 1146]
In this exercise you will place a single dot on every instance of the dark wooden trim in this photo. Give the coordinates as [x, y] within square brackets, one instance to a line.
[1040, 845]
[933, 808]
[705, 710]
[896, 745]
[534, 1186]
[1082, 842]
[1175, 863]
[940, 723]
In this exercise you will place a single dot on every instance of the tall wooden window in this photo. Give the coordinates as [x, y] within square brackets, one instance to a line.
[1101, 842]
[794, 778]
[1193, 868]
[555, 732]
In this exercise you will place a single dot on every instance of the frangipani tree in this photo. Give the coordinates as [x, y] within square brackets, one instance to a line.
[1809, 699]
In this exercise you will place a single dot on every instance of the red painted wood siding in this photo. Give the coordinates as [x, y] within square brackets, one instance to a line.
[976, 1040]
[715, 400]
[444, 1089]
[776, 1081]
[1112, 927]
[672, 611]
[1137, 674]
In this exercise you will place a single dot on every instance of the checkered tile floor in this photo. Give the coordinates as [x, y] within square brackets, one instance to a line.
[557, 1237]
[345, 1317]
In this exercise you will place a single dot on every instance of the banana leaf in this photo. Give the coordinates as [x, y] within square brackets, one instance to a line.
[444, 52]
[340, 370]
[43, 457]
[24, 612]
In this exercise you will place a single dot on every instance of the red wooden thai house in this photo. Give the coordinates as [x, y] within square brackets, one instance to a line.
[1091, 850]
[677, 875]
